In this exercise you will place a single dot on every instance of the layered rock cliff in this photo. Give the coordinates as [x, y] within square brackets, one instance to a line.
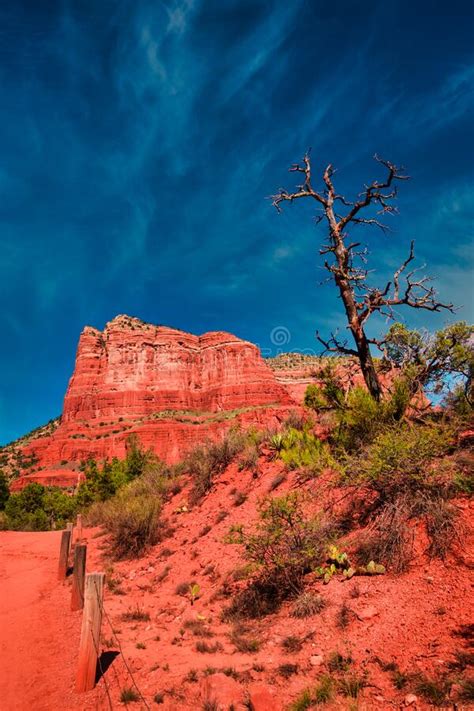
[170, 388]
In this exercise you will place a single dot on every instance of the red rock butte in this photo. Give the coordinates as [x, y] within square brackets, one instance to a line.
[170, 388]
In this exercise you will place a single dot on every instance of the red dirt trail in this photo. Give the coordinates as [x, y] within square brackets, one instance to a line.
[38, 633]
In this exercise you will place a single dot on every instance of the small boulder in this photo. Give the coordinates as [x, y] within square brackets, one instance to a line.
[262, 699]
[410, 700]
[316, 660]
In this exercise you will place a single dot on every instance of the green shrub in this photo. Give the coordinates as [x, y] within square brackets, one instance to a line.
[402, 466]
[101, 482]
[358, 415]
[315, 398]
[301, 449]
[286, 545]
[359, 420]
[399, 459]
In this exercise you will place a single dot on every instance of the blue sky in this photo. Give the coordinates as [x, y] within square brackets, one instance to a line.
[139, 141]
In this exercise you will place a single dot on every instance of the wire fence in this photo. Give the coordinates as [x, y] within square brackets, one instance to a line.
[130, 674]
[112, 683]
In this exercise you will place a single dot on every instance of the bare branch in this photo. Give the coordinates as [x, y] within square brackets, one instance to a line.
[335, 346]
[407, 261]
[305, 190]
[373, 193]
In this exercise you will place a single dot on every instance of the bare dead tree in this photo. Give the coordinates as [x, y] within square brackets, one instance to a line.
[346, 260]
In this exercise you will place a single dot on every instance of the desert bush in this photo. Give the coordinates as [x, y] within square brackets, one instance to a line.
[303, 701]
[358, 416]
[399, 459]
[407, 478]
[301, 449]
[287, 544]
[183, 589]
[324, 691]
[337, 662]
[351, 685]
[249, 457]
[243, 642]
[308, 604]
[206, 462]
[442, 525]
[435, 691]
[101, 482]
[260, 598]
[344, 616]
[295, 421]
[287, 670]
[292, 644]
[275, 442]
[389, 538]
[221, 515]
[359, 420]
[466, 690]
[205, 648]
[315, 397]
[133, 521]
[198, 628]
[128, 695]
[136, 615]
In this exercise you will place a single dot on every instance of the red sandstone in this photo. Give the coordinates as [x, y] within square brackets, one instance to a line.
[170, 388]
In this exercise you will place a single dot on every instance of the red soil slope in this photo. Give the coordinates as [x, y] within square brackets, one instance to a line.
[411, 619]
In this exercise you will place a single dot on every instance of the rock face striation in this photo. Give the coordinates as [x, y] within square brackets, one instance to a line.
[170, 388]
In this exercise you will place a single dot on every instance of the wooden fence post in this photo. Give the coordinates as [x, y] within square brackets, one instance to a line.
[79, 572]
[64, 554]
[79, 528]
[90, 632]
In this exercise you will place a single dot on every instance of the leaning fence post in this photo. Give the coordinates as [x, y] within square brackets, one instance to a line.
[90, 631]
[64, 554]
[78, 575]
[79, 527]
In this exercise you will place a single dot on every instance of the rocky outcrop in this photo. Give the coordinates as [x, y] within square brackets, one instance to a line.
[170, 388]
